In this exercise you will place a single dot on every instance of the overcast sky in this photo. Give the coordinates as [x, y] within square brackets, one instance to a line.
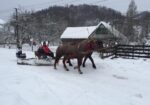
[7, 6]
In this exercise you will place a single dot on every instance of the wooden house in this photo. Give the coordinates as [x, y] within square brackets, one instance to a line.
[103, 31]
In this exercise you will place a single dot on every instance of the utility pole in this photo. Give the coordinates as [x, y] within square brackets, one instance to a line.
[17, 28]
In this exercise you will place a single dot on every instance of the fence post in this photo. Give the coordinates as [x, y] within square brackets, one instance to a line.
[143, 48]
[115, 50]
[133, 52]
[148, 51]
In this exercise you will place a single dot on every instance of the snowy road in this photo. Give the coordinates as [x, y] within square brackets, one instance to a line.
[114, 82]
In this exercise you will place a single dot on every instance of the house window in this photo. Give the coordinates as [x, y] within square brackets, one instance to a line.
[102, 30]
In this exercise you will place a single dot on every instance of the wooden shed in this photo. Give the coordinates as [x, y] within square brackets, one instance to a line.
[103, 31]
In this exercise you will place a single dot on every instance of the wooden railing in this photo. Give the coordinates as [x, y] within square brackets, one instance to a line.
[128, 51]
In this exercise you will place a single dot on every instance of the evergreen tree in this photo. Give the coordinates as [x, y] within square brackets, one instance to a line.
[132, 9]
[131, 12]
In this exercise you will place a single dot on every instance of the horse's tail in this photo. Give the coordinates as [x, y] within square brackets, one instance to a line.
[58, 56]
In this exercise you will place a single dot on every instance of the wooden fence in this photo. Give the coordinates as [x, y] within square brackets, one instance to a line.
[107, 52]
[128, 51]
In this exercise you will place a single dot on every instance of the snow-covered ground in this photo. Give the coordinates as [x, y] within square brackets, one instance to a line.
[114, 82]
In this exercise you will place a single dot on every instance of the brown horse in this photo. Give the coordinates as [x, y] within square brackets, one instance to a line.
[78, 51]
[89, 55]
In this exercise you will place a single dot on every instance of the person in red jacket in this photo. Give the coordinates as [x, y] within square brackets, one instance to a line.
[47, 51]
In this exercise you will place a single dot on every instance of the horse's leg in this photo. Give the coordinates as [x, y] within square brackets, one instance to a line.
[79, 64]
[57, 60]
[85, 58]
[70, 64]
[64, 62]
[93, 64]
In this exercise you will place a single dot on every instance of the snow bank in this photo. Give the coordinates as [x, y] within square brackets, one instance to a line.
[114, 82]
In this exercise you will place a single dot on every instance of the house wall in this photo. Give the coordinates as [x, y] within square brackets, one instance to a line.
[71, 40]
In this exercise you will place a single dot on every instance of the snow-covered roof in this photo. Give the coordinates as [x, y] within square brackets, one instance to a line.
[78, 32]
[85, 32]
[2, 21]
[115, 32]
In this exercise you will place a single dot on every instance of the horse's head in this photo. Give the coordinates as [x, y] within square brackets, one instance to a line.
[95, 44]
[99, 44]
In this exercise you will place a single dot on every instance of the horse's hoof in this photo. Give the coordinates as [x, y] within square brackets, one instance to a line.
[75, 67]
[80, 72]
[70, 65]
[66, 69]
[94, 66]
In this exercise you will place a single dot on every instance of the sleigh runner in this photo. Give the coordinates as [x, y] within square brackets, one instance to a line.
[42, 61]
[35, 61]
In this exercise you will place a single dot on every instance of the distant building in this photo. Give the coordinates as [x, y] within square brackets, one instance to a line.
[103, 31]
[1, 23]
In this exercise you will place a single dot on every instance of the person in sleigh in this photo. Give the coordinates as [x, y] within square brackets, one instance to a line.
[19, 53]
[44, 51]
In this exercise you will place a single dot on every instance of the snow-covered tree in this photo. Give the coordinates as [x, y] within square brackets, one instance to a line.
[132, 9]
[131, 12]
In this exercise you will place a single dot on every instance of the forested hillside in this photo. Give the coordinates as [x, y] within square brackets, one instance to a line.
[51, 22]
